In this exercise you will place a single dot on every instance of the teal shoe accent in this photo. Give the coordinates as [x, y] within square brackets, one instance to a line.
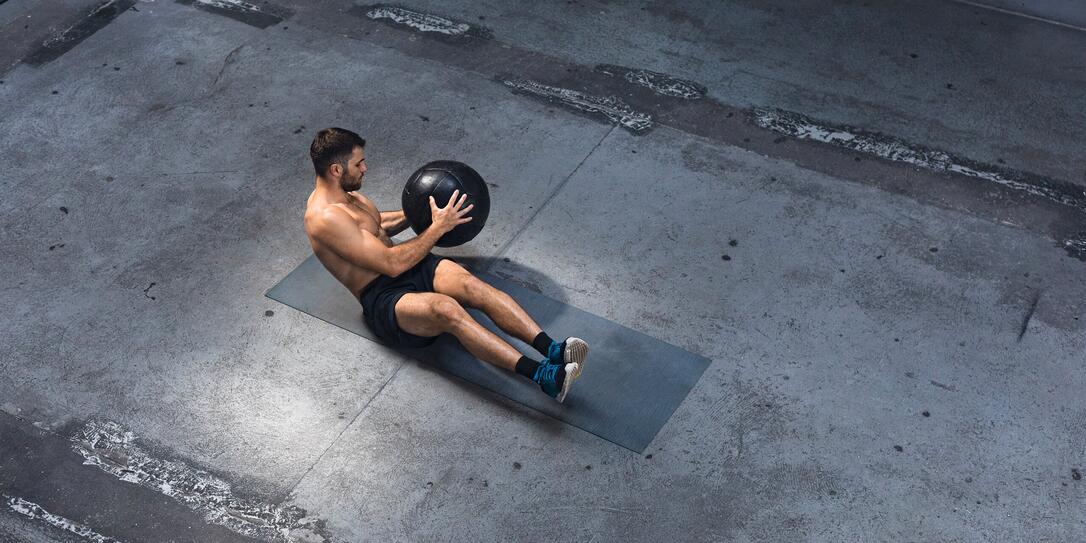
[573, 350]
[546, 375]
[554, 352]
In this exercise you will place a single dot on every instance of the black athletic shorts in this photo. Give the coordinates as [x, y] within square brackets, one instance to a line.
[379, 302]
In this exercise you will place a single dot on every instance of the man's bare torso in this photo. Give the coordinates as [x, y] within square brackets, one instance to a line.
[368, 219]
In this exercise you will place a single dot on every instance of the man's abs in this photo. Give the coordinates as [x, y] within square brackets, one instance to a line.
[356, 279]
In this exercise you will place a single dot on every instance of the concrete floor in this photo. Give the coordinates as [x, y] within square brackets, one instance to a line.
[897, 353]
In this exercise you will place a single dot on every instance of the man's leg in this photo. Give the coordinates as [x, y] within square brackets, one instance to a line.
[431, 314]
[453, 280]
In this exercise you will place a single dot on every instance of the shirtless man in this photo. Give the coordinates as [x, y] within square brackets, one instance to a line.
[409, 296]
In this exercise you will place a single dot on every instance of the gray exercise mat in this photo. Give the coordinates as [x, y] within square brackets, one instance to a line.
[631, 385]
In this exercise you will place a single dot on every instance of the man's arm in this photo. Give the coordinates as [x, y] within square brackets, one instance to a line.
[393, 222]
[338, 231]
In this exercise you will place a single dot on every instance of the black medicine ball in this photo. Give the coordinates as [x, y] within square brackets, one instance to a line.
[439, 179]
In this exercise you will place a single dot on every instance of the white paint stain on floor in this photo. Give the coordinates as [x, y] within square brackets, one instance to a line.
[423, 22]
[113, 449]
[1076, 246]
[614, 109]
[659, 83]
[802, 127]
[37, 512]
[66, 34]
[235, 5]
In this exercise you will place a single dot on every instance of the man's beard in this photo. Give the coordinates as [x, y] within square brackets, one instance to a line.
[350, 185]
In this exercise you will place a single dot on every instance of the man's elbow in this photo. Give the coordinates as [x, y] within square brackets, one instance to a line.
[384, 266]
[393, 268]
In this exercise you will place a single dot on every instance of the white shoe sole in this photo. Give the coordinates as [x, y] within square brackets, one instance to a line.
[573, 371]
[576, 352]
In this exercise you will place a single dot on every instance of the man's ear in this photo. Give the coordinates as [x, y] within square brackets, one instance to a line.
[335, 170]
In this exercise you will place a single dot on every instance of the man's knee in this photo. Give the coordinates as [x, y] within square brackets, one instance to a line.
[447, 311]
[477, 292]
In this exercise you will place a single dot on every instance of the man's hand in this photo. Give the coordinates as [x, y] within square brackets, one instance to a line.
[393, 222]
[449, 217]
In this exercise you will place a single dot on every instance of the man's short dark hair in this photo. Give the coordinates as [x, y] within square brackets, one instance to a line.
[333, 146]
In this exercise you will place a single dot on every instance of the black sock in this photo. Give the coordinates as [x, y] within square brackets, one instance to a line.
[526, 367]
[542, 343]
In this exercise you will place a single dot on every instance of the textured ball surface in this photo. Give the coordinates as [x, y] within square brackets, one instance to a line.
[439, 179]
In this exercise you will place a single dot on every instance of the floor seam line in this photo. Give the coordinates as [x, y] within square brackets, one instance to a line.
[505, 247]
[1021, 14]
[340, 434]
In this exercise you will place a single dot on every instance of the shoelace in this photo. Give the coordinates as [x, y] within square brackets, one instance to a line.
[546, 373]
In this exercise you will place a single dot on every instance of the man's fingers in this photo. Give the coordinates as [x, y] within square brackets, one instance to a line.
[466, 209]
[453, 197]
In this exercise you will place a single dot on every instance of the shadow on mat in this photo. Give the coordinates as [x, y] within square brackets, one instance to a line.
[511, 271]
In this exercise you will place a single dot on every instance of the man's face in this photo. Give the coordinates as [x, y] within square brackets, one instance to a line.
[351, 180]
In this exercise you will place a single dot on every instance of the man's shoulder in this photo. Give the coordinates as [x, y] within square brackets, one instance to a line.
[361, 198]
[319, 219]
[326, 211]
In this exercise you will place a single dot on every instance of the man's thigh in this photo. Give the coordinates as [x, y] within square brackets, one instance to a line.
[451, 279]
